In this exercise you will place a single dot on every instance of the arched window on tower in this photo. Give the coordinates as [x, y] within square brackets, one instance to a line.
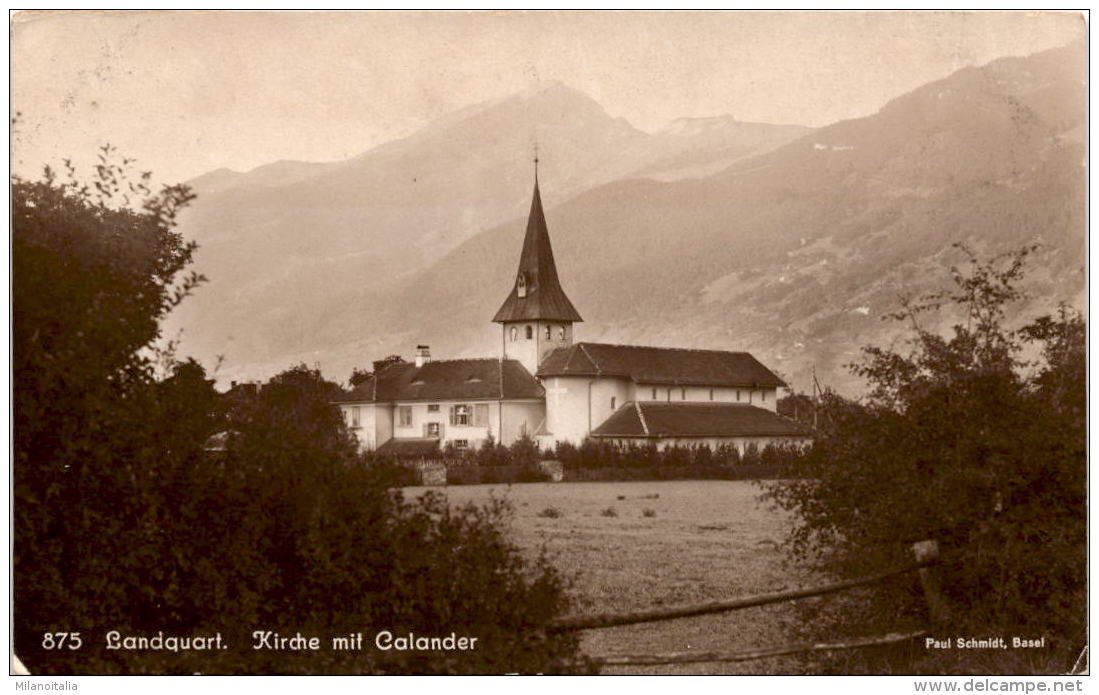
[549, 332]
[514, 333]
[561, 333]
[530, 332]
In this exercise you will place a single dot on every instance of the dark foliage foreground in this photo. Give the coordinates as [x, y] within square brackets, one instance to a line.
[977, 440]
[124, 523]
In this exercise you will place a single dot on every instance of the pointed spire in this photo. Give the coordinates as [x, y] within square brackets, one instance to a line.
[537, 292]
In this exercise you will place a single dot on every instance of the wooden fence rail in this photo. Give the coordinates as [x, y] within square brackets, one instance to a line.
[591, 622]
[926, 553]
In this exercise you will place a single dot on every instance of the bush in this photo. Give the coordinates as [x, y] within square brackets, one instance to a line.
[609, 511]
[551, 513]
[524, 451]
[961, 441]
[648, 513]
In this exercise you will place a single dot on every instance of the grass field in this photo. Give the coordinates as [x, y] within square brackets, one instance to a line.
[699, 541]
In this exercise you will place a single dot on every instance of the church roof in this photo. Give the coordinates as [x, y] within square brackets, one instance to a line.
[655, 365]
[660, 419]
[544, 299]
[473, 379]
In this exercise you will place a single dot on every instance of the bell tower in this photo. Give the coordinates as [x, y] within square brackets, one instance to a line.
[536, 317]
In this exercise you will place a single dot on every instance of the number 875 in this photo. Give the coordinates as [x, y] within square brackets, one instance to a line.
[58, 640]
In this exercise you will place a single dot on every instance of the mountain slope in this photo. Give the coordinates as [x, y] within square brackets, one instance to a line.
[291, 239]
[794, 254]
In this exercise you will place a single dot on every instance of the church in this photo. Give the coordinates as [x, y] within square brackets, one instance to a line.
[546, 386]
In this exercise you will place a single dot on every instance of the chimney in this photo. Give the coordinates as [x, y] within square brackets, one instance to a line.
[423, 355]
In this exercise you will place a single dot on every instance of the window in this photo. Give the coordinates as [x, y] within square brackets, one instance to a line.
[530, 332]
[738, 395]
[431, 429]
[404, 415]
[763, 396]
[355, 416]
[711, 394]
[514, 334]
[654, 393]
[432, 407]
[682, 394]
[459, 415]
[561, 333]
[480, 415]
[549, 332]
[669, 395]
[612, 402]
[461, 444]
[521, 285]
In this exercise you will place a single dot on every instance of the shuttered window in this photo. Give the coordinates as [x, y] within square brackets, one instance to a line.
[480, 415]
[459, 415]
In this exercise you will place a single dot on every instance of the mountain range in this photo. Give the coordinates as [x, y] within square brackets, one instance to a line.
[789, 242]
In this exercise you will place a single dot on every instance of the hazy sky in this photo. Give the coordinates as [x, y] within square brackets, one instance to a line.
[187, 92]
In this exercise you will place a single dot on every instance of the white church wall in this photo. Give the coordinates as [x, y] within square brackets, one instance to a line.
[576, 405]
[378, 423]
[361, 419]
[531, 351]
[520, 417]
[761, 398]
[383, 424]
[608, 395]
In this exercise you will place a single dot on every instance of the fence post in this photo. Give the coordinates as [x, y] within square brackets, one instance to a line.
[928, 551]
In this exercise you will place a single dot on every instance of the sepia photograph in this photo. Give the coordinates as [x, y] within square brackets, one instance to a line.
[622, 343]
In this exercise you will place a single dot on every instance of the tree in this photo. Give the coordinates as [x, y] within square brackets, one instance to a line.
[124, 522]
[962, 441]
[91, 280]
[359, 376]
[797, 406]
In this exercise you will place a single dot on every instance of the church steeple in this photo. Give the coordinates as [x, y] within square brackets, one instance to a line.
[537, 294]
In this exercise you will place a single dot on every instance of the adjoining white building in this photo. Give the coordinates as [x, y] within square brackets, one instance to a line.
[546, 386]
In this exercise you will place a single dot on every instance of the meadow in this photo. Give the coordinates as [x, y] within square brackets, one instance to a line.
[664, 544]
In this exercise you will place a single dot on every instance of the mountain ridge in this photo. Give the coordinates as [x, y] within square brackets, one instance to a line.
[793, 253]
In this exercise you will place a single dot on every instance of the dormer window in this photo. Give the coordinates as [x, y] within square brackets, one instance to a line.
[521, 285]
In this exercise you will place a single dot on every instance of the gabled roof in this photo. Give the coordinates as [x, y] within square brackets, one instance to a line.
[661, 419]
[474, 379]
[654, 365]
[544, 299]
